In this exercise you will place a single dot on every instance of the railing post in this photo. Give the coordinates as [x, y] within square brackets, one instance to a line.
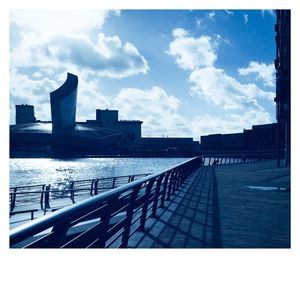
[13, 199]
[175, 180]
[129, 215]
[96, 186]
[92, 187]
[170, 186]
[157, 192]
[146, 203]
[114, 183]
[181, 177]
[47, 197]
[42, 197]
[164, 191]
[71, 187]
[102, 234]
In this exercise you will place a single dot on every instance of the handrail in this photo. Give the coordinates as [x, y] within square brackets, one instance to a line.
[114, 215]
[77, 181]
[137, 197]
[70, 189]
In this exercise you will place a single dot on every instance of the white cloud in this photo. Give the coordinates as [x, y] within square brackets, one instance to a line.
[271, 12]
[246, 18]
[192, 53]
[216, 87]
[262, 71]
[229, 12]
[107, 57]
[240, 103]
[157, 109]
[49, 23]
[211, 15]
[229, 123]
[26, 90]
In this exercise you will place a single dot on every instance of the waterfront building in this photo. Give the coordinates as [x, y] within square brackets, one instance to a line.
[283, 81]
[131, 129]
[62, 136]
[258, 138]
[222, 142]
[63, 105]
[25, 114]
[169, 145]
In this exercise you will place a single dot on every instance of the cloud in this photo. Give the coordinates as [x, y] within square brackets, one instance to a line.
[160, 113]
[192, 53]
[48, 23]
[240, 104]
[262, 71]
[200, 23]
[155, 107]
[216, 87]
[107, 57]
[26, 90]
[228, 123]
[271, 12]
[211, 15]
[246, 18]
[62, 40]
[229, 12]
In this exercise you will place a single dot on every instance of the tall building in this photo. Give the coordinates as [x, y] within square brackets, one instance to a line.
[25, 114]
[63, 105]
[283, 82]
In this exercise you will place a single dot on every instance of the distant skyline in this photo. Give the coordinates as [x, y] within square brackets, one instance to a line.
[182, 72]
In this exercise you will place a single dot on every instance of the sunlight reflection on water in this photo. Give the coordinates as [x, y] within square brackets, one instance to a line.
[46, 170]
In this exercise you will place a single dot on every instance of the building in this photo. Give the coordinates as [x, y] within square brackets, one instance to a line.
[283, 82]
[169, 146]
[63, 136]
[258, 138]
[25, 114]
[131, 129]
[106, 135]
[261, 137]
[63, 105]
[222, 142]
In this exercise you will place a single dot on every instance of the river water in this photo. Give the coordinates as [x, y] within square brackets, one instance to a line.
[46, 170]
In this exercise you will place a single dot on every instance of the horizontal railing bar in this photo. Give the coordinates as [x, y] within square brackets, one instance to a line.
[76, 239]
[40, 240]
[78, 181]
[113, 238]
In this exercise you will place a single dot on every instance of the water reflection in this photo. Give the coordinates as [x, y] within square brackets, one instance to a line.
[61, 171]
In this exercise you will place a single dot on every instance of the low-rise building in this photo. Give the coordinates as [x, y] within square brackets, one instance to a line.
[25, 114]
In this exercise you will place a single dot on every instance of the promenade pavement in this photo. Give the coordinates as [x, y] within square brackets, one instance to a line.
[225, 206]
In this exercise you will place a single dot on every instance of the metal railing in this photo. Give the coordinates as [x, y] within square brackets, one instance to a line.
[110, 219]
[113, 215]
[45, 195]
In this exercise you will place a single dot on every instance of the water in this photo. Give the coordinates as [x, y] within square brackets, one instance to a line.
[30, 171]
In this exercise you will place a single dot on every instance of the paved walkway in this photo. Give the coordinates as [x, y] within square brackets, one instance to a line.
[226, 206]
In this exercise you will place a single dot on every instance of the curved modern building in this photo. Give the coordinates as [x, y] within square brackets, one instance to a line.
[63, 105]
[63, 135]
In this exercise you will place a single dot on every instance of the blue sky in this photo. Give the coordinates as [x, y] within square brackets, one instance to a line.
[182, 72]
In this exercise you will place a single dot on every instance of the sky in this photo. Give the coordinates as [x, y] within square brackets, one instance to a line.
[182, 72]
